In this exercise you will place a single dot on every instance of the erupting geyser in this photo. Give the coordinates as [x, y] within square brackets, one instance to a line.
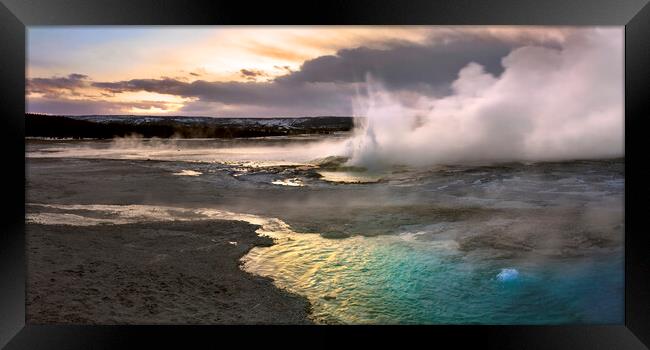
[486, 118]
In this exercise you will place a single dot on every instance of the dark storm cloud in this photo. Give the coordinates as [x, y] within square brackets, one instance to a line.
[405, 66]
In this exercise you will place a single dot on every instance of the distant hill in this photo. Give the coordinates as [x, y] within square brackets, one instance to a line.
[102, 127]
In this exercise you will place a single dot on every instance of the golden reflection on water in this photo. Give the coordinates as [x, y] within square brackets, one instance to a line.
[323, 270]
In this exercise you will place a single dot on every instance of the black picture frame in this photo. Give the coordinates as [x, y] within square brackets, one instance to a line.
[15, 15]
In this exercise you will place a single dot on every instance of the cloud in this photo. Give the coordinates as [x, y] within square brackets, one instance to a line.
[310, 96]
[252, 74]
[253, 99]
[56, 85]
[405, 66]
[85, 107]
[163, 85]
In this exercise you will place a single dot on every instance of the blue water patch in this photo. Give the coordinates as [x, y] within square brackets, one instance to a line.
[507, 275]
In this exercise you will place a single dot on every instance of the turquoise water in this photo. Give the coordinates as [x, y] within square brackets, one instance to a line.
[420, 284]
[392, 280]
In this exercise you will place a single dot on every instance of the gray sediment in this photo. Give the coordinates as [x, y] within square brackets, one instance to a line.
[173, 272]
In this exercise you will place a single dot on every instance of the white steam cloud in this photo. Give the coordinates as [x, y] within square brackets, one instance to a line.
[550, 103]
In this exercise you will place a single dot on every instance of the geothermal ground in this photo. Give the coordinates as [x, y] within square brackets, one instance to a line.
[262, 231]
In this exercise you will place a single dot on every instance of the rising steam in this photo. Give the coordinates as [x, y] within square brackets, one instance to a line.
[550, 103]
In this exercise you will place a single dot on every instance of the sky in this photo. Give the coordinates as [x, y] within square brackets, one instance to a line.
[225, 71]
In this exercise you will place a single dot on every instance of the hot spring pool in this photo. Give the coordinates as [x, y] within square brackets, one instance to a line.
[398, 280]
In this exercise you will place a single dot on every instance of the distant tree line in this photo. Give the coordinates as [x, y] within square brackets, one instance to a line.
[39, 125]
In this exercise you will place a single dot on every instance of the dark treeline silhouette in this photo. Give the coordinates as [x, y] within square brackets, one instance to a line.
[103, 127]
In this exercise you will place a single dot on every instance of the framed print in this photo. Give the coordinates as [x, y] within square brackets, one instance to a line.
[470, 172]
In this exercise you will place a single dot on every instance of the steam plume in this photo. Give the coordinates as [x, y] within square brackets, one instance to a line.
[548, 104]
